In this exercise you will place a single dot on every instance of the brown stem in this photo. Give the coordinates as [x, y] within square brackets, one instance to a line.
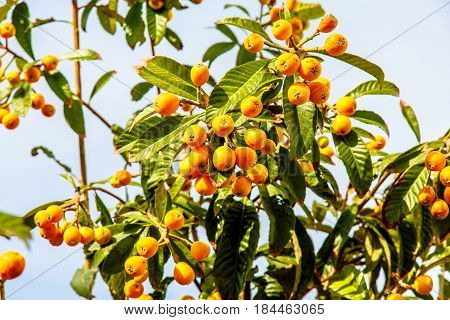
[2, 290]
[373, 191]
[276, 46]
[152, 46]
[76, 46]
[84, 190]
[315, 34]
[91, 109]
[185, 241]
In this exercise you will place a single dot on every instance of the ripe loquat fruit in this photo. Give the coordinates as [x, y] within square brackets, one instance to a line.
[147, 247]
[253, 43]
[342, 125]
[72, 236]
[135, 266]
[13, 77]
[269, 147]
[290, 4]
[187, 297]
[199, 158]
[288, 63]
[439, 209]
[32, 75]
[447, 195]
[7, 30]
[297, 26]
[241, 187]
[258, 173]
[11, 121]
[174, 219]
[346, 106]
[48, 110]
[12, 265]
[336, 44]
[37, 101]
[3, 112]
[187, 171]
[40, 219]
[195, 136]
[123, 177]
[204, 186]
[223, 125]
[102, 235]
[145, 297]
[395, 296]
[376, 144]
[298, 93]
[200, 250]
[87, 235]
[57, 240]
[199, 74]
[251, 106]
[50, 62]
[435, 161]
[323, 142]
[156, 4]
[133, 289]
[426, 196]
[310, 69]
[255, 138]
[166, 103]
[54, 213]
[275, 13]
[142, 277]
[183, 273]
[320, 91]
[224, 158]
[444, 176]
[327, 24]
[229, 181]
[49, 232]
[423, 284]
[169, 15]
[245, 157]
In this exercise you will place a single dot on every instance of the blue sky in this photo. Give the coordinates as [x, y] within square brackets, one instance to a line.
[413, 54]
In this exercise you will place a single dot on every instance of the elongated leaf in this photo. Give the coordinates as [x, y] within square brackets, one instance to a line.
[217, 49]
[242, 8]
[105, 217]
[86, 13]
[59, 85]
[156, 25]
[247, 24]
[359, 63]
[422, 219]
[281, 217]
[134, 26]
[371, 117]
[410, 116]
[439, 257]
[115, 284]
[227, 31]
[236, 249]
[101, 82]
[73, 113]
[331, 248]
[173, 39]
[170, 76]
[81, 55]
[374, 88]
[24, 25]
[402, 196]
[21, 101]
[109, 17]
[308, 256]
[139, 90]
[13, 226]
[83, 281]
[238, 83]
[356, 158]
[308, 11]
[292, 174]
[349, 283]
[301, 122]
[408, 244]
[156, 265]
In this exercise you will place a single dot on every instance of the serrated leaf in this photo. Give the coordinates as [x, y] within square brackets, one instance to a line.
[402, 196]
[170, 76]
[292, 174]
[173, 39]
[156, 25]
[24, 25]
[353, 152]
[217, 49]
[21, 101]
[247, 24]
[83, 281]
[101, 82]
[411, 118]
[81, 55]
[359, 63]
[372, 118]
[236, 249]
[349, 283]
[236, 84]
[374, 88]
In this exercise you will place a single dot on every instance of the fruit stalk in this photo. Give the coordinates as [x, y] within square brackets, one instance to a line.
[2, 289]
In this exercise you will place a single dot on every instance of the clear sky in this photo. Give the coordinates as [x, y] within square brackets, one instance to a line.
[413, 53]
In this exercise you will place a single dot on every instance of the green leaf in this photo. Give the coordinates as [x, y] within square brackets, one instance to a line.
[50, 154]
[162, 200]
[349, 283]
[13, 226]
[359, 63]
[242, 8]
[170, 76]
[156, 265]
[308, 258]
[308, 11]
[410, 116]
[217, 49]
[422, 219]
[73, 113]
[236, 249]
[236, 84]
[281, 218]
[371, 117]
[109, 17]
[374, 88]
[301, 122]
[292, 175]
[83, 281]
[86, 12]
[115, 260]
[408, 244]
[156, 25]
[247, 24]
[21, 101]
[59, 85]
[139, 90]
[402, 195]
[105, 217]
[22, 22]
[173, 39]
[134, 26]
[333, 244]
[101, 82]
[353, 152]
[227, 32]
[4, 9]
[81, 55]
[440, 256]
[244, 56]
[115, 284]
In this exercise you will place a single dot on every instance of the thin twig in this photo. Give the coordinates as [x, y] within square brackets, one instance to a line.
[373, 191]
[102, 190]
[95, 113]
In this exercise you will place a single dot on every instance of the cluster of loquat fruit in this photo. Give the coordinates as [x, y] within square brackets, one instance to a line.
[436, 161]
[53, 227]
[30, 74]
[147, 247]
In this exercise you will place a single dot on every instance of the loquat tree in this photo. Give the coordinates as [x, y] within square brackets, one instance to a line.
[214, 156]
